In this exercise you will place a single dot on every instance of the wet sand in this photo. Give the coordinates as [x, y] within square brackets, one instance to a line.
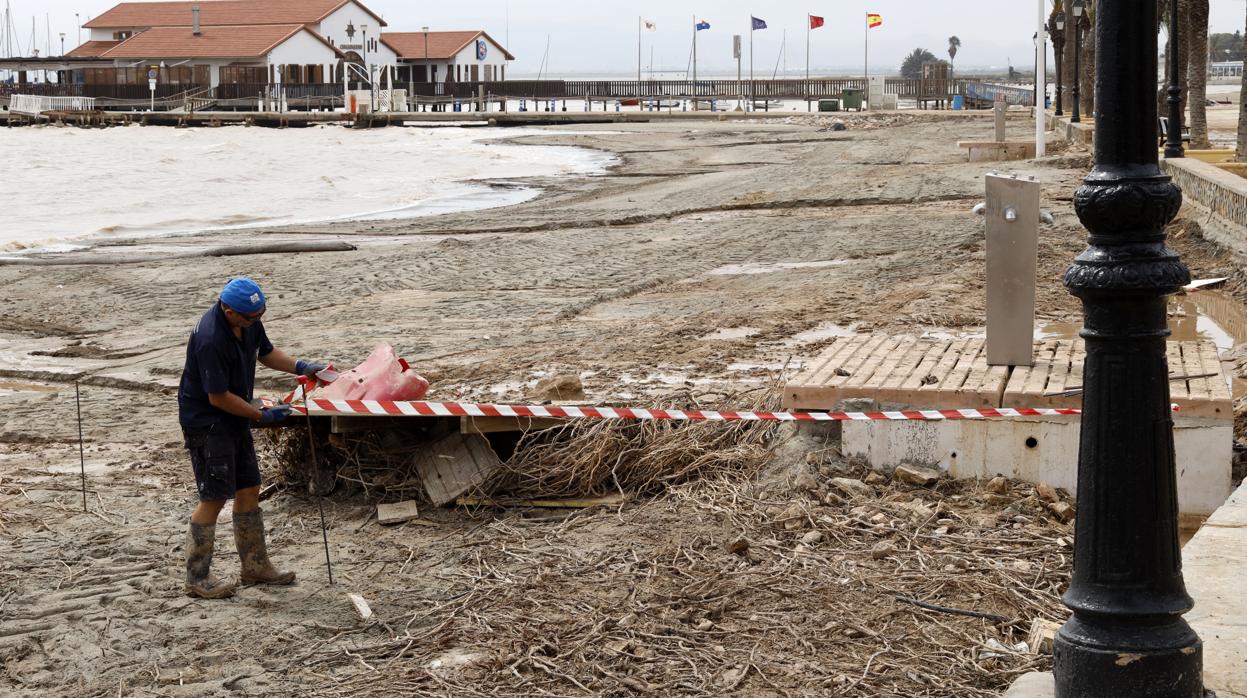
[638, 281]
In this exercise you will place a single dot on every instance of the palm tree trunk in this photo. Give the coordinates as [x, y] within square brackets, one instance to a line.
[1240, 152]
[1088, 64]
[1162, 95]
[1184, 62]
[1197, 52]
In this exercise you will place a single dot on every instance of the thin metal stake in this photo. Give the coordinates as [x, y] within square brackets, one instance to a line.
[82, 457]
[320, 500]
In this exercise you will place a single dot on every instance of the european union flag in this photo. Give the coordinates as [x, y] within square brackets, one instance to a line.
[757, 23]
[702, 25]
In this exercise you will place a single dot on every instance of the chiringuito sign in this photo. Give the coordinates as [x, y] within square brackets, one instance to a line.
[482, 49]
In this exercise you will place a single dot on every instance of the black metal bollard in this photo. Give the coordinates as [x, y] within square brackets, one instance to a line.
[1127, 638]
[1173, 139]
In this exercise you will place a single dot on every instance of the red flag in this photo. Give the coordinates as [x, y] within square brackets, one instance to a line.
[816, 22]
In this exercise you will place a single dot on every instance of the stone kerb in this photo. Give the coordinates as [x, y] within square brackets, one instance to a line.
[1220, 193]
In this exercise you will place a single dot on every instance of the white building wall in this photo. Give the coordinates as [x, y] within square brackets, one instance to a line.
[467, 58]
[334, 26]
[302, 49]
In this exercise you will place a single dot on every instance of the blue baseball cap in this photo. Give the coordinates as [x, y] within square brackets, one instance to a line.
[243, 295]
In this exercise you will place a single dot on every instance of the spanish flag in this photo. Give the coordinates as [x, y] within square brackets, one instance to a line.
[873, 20]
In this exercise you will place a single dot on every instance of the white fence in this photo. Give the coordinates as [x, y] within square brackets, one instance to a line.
[35, 105]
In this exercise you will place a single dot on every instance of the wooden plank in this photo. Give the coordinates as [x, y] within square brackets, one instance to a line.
[960, 372]
[914, 357]
[401, 512]
[856, 363]
[455, 465]
[1219, 402]
[889, 364]
[916, 390]
[1210, 360]
[1063, 374]
[985, 385]
[1180, 390]
[945, 365]
[826, 364]
[862, 375]
[492, 425]
[362, 609]
[831, 359]
[827, 388]
[1041, 372]
[933, 356]
[607, 501]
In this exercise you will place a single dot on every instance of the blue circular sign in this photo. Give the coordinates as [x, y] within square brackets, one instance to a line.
[482, 49]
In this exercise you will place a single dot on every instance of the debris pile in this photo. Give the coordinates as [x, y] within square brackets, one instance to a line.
[581, 458]
[844, 582]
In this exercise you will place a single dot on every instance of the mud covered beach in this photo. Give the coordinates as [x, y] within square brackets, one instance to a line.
[709, 260]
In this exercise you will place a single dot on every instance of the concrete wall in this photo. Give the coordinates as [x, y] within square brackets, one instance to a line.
[1041, 449]
[1214, 191]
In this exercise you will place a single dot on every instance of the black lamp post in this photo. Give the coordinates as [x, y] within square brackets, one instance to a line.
[1077, 8]
[1058, 48]
[1173, 137]
[1127, 636]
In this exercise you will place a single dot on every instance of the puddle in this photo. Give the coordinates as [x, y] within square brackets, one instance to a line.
[759, 268]
[730, 333]
[776, 366]
[10, 388]
[1203, 315]
[822, 332]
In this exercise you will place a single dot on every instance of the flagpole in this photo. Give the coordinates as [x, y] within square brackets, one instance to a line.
[695, 63]
[752, 95]
[808, 21]
[639, 22]
[866, 61]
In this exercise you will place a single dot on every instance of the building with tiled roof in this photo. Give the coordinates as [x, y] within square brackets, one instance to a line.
[457, 56]
[246, 42]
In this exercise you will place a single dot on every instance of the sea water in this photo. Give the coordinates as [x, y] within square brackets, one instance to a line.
[65, 187]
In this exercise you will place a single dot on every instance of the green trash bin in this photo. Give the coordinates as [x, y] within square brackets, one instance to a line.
[829, 105]
[852, 98]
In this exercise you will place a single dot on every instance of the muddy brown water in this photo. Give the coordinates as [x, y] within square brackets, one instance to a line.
[1200, 315]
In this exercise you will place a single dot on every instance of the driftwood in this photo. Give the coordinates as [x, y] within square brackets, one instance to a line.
[219, 251]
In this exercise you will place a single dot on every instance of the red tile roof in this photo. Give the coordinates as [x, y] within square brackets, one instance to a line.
[442, 45]
[91, 49]
[253, 41]
[219, 13]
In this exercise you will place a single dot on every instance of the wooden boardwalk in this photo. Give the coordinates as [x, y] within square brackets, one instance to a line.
[953, 373]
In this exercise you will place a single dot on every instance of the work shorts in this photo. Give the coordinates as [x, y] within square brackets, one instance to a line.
[224, 461]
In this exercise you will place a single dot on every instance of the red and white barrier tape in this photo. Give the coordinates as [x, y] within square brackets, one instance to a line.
[318, 406]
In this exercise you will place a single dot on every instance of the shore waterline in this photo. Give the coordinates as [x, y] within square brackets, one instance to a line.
[78, 186]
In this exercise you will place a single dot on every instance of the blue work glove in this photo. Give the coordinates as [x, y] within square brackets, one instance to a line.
[307, 368]
[274, 414]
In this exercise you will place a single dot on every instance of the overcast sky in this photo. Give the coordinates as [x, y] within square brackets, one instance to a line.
[601, 37]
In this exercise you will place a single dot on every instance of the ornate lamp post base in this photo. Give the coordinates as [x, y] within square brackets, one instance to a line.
[1127, 638]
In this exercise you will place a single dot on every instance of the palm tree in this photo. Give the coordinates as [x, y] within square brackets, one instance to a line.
[1240, 152]
[912, 65]
[953, 44]
[1197, 71]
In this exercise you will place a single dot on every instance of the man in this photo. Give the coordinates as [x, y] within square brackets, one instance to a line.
[215, 410]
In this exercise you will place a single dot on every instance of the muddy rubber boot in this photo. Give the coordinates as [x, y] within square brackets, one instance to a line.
[199, 580]
[249, 536]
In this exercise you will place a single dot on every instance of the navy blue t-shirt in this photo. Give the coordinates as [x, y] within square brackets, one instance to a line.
[219, 362]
